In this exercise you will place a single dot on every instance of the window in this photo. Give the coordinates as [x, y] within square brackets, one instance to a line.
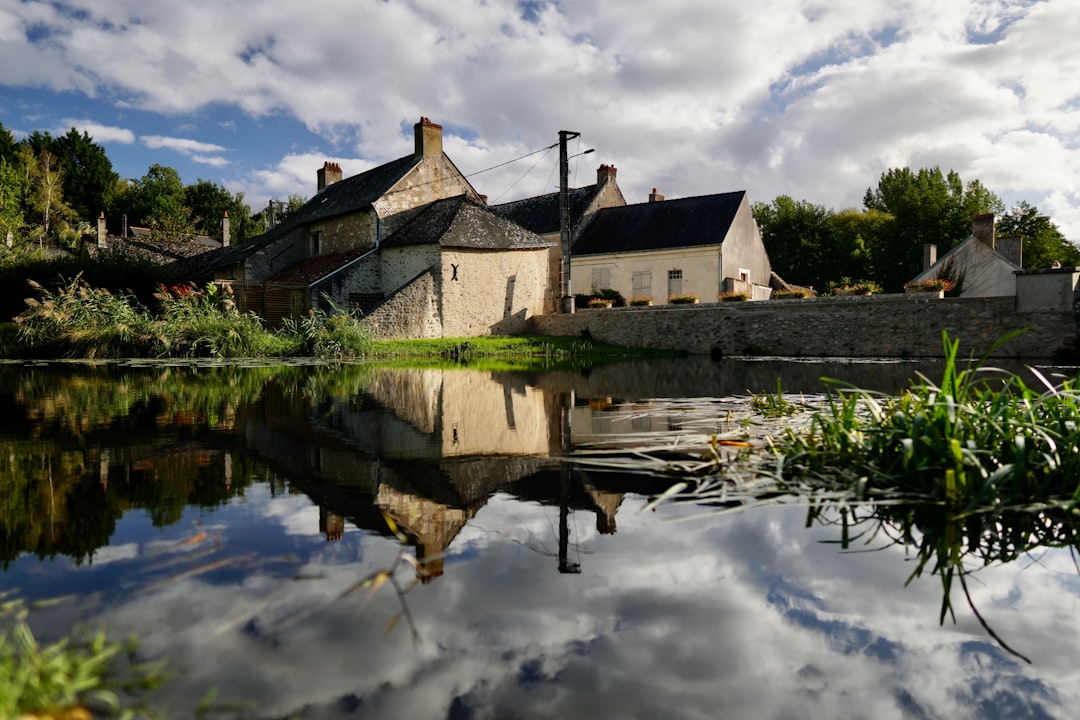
[601, 279]
[316, 242]
[674, 282]
[642, 286]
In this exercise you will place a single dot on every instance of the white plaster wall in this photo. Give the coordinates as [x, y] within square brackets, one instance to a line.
[981, 271]
[700, 269]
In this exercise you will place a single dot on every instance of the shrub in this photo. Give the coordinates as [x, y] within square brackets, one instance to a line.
[861, 287]
[205, 323]
[329, 334]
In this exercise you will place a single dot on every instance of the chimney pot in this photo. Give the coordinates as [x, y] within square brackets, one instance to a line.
[328, 174]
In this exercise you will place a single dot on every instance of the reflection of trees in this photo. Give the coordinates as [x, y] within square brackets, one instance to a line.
[951, 544]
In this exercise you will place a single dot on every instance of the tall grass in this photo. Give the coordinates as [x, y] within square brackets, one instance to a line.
[980, 438]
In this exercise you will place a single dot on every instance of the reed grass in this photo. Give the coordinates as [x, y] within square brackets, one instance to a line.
[981, 438]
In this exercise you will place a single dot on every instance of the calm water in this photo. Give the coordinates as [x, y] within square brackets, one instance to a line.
[228, 515]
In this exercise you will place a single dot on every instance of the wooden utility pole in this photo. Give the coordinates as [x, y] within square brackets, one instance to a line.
[564, 220]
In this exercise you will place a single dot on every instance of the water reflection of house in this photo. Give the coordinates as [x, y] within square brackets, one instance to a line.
[425, 448]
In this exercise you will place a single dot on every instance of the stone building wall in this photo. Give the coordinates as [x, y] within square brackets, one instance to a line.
[412, 312]
[343, 232]
[492, 293]
[876, 326]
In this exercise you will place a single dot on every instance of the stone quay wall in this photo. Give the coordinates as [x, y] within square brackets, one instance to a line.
[890, 326]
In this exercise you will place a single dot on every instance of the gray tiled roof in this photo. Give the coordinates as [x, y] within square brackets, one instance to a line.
[345, 196]
[540, 214]
[685, 222]
[462, 223]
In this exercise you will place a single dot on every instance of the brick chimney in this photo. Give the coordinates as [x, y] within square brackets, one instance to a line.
[428, 139]
[982, 227]
[655, 196]
[328, 174]
[101, 232]
[929, 255]
[225, 229]
[605, 173]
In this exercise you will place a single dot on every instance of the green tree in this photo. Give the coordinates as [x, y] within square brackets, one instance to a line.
[209, 202]
[7, 145]
[806, 245]
[11, 193]
[156, 200]
[928, 207]
[1043, 242]
[88, 175]
[43, 202]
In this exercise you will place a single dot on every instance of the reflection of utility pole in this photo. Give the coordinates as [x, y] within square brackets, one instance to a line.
[564, 220]
[565, 566]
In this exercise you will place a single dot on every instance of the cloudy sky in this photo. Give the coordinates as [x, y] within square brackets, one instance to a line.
[809, 98]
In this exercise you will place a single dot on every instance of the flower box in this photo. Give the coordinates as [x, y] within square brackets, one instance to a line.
[601, 303]
[734, 296]
[641, 301]
[683, 299]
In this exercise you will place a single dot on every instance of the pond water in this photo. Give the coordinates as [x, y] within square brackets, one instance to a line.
[229, 515]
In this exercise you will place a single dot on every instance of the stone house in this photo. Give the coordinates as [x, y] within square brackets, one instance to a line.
[410, 243]
[980, 265]
[701, 246]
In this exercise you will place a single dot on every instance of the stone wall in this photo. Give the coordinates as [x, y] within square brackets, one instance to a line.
[412, 312]
[875, 326]
[492, 293]
[344, 232]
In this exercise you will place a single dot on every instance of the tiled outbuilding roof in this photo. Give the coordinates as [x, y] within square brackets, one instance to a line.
[462, 223]
[686, 222]
[312, 269]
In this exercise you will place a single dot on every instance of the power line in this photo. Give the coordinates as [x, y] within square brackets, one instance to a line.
[549, 147]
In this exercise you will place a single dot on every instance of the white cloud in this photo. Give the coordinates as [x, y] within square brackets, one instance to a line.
[815, 100]
[180, 145]
[100, 133]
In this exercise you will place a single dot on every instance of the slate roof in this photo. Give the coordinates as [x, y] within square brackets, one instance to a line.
[540, 214]
[459, 222]
[159, 252]
[685, 222]
[345, 196]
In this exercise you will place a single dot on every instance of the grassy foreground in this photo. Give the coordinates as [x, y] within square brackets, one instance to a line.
[80, 321]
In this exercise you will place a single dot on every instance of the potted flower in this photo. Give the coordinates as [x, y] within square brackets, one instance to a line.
[734, 296]
[788, 294]
[940, 286]
[600, 302]
[689, 299]
[641, 301]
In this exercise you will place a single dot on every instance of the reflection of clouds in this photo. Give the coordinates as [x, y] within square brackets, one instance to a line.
[749, 615]
[114, 553]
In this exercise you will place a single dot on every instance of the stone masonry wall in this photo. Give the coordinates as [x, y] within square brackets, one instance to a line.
[875, 326]
[412, 312]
